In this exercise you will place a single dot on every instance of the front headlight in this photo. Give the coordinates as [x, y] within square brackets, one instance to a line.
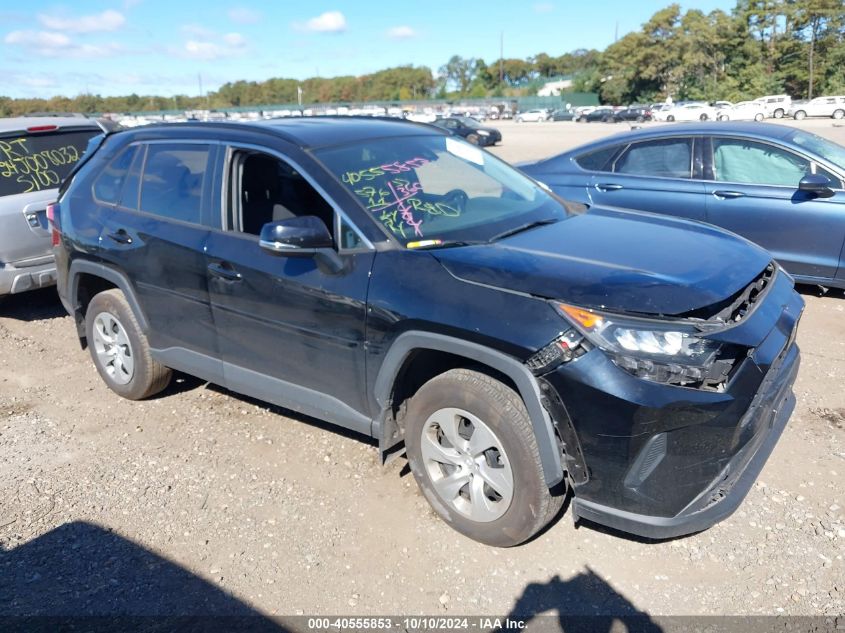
[483, 133]
[668, 352]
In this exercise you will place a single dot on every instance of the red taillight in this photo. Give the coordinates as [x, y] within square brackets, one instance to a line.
[42, 128]
[54, 218]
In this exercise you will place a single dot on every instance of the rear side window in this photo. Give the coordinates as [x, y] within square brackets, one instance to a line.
[665, 158]
[35, 162]
[596, 160]
[173, 180]
[108, 185]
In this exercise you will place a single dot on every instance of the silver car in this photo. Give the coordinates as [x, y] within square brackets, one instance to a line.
[36, 154]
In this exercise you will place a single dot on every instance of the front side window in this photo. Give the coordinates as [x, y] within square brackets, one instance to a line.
[270, 190]
[173, 179]
[744, 161]
[664, 158]
[427, 190]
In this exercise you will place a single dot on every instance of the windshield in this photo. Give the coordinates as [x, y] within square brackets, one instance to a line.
[828, 149]
[475, 125]
[430, 190]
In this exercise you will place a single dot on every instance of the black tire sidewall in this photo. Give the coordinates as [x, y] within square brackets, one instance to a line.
[519, 522]
[115, 305]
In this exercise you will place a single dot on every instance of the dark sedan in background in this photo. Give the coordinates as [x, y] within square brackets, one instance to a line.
[605, 115]
[633, 113]
[778, 186]
[471, 130]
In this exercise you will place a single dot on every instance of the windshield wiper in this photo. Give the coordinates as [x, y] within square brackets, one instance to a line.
[524, 227]
[430, 244]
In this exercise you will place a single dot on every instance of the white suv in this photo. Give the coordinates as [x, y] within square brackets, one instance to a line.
[532, 115]
[775, 105]
[820, 106]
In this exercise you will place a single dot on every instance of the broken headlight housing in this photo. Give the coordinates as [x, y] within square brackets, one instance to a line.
[671, 352]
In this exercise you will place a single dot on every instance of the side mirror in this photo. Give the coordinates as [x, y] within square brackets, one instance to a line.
[295, 237]
[816, 184]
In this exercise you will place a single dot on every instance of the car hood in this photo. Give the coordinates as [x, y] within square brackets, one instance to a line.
[615, 260]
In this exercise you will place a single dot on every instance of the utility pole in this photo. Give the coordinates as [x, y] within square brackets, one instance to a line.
[501, 57]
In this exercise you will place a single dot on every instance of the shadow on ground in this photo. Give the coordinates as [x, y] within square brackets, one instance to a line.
[83, 575]
[36, 305]
[581, 604]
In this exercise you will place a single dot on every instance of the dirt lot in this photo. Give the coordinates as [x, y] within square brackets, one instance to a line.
[200, 501]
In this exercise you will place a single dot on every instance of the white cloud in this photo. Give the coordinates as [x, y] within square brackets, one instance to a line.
[244, 15]
[328, 22]
[109, 20]
[207, 45]
[543, 7]
[51, 44]
[401, 33]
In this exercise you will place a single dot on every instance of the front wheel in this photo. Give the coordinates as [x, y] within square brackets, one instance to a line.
[703, 117]
[779, 113]
[724, 117]
[670, 118]
[758, 117]
[800, 115]
[120, 350]
[472, 138]
[474, 455]
[838, 114]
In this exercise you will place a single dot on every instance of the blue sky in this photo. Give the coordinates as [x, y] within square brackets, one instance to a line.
[157, 47]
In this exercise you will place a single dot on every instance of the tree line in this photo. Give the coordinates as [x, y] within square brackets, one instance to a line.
[761, 47]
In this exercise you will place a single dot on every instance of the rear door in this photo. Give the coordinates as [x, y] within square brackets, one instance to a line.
[655, 175]
[32, 165]
[156, 232]
[753, 191]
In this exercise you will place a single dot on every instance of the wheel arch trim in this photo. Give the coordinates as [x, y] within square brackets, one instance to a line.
[83, 266]
[526, 384]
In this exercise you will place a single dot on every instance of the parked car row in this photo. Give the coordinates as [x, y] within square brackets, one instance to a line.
[514, 345]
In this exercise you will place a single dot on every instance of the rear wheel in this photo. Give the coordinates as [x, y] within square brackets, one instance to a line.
[473, 453]
[670, 118]
[779, 113]
[703, 117]
[724, 117]
[759, 116]
[799, 115]
[839, 114]
[120, 350]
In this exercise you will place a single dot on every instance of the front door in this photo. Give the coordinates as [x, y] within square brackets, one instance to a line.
[754, 192]
[291, 330]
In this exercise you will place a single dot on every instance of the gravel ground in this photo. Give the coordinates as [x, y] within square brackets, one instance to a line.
[202, 501]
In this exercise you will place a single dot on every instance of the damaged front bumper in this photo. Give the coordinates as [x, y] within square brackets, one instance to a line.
[660, 460]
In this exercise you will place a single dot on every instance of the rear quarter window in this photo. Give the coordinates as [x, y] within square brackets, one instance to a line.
[36, 162]
[597, 160]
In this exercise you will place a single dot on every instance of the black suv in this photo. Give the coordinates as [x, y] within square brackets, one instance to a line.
[405, 284]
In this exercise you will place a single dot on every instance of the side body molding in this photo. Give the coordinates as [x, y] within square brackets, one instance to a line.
[515, 370]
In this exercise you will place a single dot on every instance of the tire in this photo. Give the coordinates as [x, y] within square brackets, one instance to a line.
[461, 403]
[519, 119]
[703, 117]
[120, 350]
[608, 119]
[779, 113]
[640, 119]
[800, 115]
[838, 114]
[670, 118]
[724, 117]
[759, 117]
[472, 138]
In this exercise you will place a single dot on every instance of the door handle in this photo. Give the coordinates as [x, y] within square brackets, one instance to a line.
[120, 236]
[728, 194]
[224, 271]
[608, 186]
